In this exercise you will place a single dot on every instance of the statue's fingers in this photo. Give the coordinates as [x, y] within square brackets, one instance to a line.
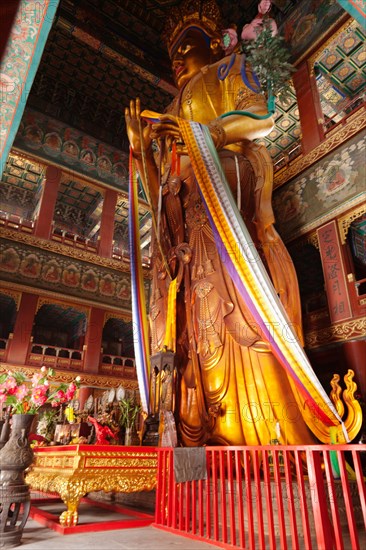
[132, 109]
[164, 129]
[138, 107]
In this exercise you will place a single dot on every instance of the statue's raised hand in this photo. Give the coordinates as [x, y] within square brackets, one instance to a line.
[133, 125]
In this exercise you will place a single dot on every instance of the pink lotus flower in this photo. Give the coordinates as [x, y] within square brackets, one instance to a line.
[70, 391]
[25, 396]
[61, 396]
[39, 396]
[36, 378]
[10, 383]
[21, 392]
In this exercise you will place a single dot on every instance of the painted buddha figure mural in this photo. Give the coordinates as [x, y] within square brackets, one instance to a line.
[232, 389]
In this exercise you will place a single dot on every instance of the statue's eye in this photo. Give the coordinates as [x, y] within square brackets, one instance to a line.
[185, 47]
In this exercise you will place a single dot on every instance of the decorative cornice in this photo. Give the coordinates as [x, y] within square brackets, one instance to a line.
[64, 250]
[315, 44]
[42, 301]
[69, 251]
[16, 296]
[111, 315]
[313, 239]
[354, 124]
[60, 297]
[345, 221]
[357, 201]
[86, 379]
[349, 330]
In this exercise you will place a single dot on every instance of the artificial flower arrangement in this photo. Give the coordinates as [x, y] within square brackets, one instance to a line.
[27, 398]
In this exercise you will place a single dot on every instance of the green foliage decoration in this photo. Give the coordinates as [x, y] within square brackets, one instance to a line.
[129, 411]
[269, 57]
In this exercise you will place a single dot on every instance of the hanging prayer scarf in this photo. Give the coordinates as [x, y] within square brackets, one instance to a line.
[248, 273]
[139, 315]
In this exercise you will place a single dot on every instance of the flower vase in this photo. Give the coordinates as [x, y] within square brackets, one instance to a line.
[128, 437]
[15, 457]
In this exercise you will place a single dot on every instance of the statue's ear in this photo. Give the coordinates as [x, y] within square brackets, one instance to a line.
[216, 48]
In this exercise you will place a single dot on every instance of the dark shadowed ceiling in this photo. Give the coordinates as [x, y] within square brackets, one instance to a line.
[102, 53]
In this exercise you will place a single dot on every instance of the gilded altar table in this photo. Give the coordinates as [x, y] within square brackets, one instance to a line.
[72, 471]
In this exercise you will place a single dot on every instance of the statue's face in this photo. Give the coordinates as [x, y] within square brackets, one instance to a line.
[193, 53]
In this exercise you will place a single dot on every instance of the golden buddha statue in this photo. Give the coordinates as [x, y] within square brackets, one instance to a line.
[232, 389]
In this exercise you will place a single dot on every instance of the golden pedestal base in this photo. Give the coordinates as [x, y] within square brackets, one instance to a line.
[72, 471]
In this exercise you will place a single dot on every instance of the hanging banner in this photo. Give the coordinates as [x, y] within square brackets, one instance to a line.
[334, 275]
[249, 274]
[139, 312]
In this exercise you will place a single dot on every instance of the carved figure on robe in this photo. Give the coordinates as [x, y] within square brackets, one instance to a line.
[232, 388]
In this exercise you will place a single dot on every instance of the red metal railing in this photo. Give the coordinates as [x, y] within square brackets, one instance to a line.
[269, 497]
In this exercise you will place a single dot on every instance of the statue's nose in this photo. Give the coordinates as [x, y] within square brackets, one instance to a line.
[177, 59]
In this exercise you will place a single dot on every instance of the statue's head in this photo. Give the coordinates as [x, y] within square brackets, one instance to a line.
[193, 37]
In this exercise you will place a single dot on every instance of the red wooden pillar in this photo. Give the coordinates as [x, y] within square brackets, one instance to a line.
[309, 107]
[355, 353]
[107, 223]
[48, 201]
[93, 340]
[19, 344]
[84, 393]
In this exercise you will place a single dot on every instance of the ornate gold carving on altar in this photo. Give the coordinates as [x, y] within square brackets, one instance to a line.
[355, 328]
[353, 125]
[94, 380]
[16, 296]
[75, 471]
[345, 221]
[109, 461]
[353, 421]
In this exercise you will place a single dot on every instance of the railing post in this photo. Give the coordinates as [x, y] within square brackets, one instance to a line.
[318, 499]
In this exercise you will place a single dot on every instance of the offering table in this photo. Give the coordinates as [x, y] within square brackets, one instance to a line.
[72, 471]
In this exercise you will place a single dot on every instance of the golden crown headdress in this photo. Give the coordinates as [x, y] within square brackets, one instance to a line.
[204, 14]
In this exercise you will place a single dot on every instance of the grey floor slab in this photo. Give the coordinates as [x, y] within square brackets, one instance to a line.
[36, 537]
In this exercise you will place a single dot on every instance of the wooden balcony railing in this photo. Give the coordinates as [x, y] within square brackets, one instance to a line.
[73, 239]
[116, 364]
[53, 356]
[12, 221]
